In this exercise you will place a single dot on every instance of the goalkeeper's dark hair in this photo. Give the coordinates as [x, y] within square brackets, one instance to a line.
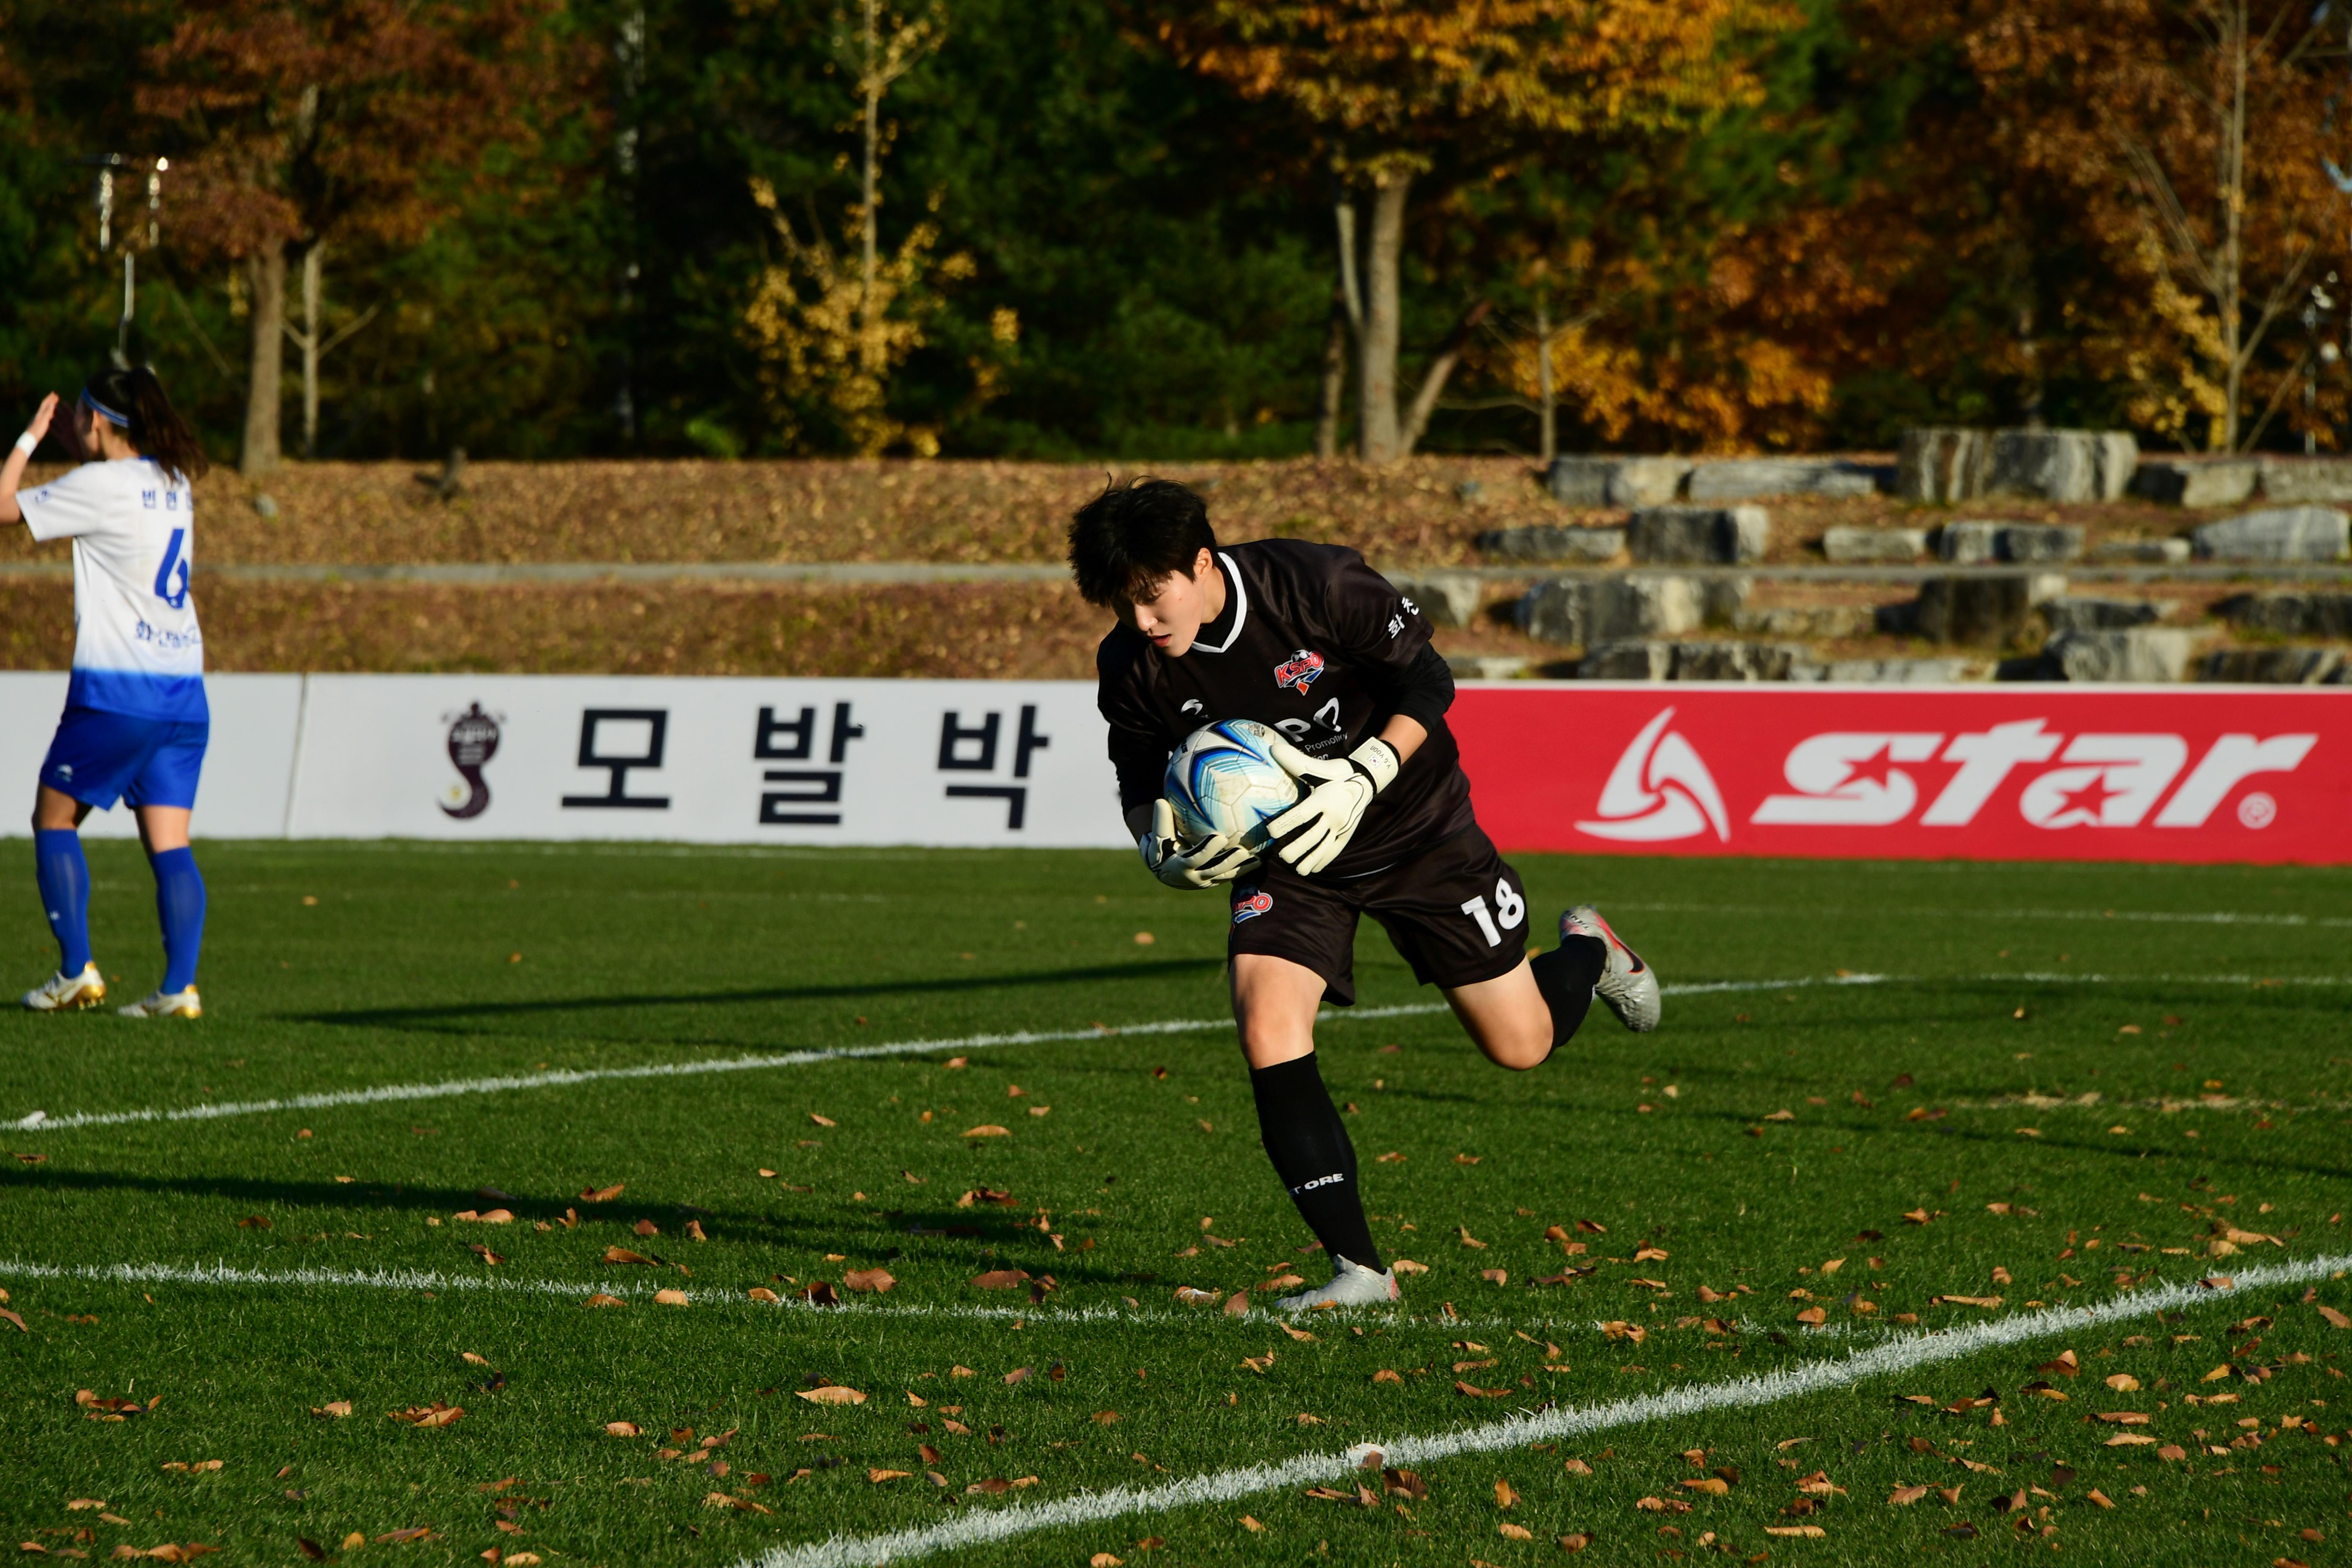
[132, 401]
[1128, 540]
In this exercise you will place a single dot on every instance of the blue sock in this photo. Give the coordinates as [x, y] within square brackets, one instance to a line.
[64, 877]
[179, 905]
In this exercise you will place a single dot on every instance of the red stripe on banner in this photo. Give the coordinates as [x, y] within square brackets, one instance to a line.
[2022, 772]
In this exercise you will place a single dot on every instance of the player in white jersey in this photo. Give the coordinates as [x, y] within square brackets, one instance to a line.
[135, 721]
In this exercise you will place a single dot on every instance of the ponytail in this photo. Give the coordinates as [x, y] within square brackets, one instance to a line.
[133, 401]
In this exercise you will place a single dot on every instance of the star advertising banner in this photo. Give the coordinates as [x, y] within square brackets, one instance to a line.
[1993, 772]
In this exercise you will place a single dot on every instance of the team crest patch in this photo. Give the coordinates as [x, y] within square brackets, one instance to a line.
[1249, 909]
[1299, 671]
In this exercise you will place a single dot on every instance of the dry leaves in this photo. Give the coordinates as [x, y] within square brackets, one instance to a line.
[670, 1298]
[334, 1408]
[434, 1414]
[988, 1130]
[1903, 1496]
[601, 1299]
[1662, 1505]
[623, 1255]
[1001, 1278]
[601, 1195]
[494, 1217]
[832, 1394]
[878, 1280]
[622, 1428]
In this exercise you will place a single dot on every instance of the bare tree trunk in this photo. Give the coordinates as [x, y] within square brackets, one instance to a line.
[1375, 380]
[1547, 437]
[2234, 24]
[1432, 380]
[1335, 382]
[313, 280]
[872, 85]
[265, 275]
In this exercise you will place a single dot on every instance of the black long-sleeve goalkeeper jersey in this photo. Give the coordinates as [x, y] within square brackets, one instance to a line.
[1315, 643]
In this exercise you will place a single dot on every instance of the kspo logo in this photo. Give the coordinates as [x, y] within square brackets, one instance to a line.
[1660, 790]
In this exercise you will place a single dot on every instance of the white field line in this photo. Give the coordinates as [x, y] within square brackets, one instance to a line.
[1913, 1353]
[433, 1281]
[2148, 916]
[41, 1122]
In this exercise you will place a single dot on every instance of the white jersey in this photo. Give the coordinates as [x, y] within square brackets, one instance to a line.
[136, 647]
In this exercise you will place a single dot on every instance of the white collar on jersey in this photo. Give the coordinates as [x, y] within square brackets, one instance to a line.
[1241, 607]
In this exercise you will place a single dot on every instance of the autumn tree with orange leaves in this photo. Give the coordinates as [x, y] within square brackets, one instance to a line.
[1443, 95]
[310, 122]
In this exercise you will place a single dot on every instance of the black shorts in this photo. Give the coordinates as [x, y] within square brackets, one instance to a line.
[1457, 913]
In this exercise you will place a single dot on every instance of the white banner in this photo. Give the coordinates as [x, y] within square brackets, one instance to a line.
[712, 760]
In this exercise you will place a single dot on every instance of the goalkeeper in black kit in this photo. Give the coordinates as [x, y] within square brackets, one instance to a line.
[1310, 640]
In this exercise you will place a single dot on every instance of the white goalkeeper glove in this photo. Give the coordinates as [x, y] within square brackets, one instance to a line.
[1313, 833]
[1201, 863]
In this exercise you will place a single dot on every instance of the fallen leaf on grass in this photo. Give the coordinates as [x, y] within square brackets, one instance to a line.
[622, 1428]
[2336, 1318]
[1818, 1484]
[601, 1299]
[1477, 1393]
[601, 1195]
[1105, 1560]
[832, 1394]
[1192, 1297]
[2124, 1383]
[1662, 1505]
[13, 1317]
[623, 1255]
[434, 1414]
[1510, 1532]
[2125, 1439]
[1903, 1496]
[1496, 1276]
[485, 1254]
[670, 1298]
[2124, 1417]
[1001, 1278]
[310, 1549]
[1576, 1542]
[1809, 1532]
[879, 1280]
[1386, 1375]
[260, 1222]
[761, 1293]
[1713, 1486]
[988, 1130]
[1407, 1266]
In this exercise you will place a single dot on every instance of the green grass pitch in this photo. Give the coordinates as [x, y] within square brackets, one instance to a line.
[2077, 1080]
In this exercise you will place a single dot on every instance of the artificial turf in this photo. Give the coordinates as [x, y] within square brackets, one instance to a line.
[2182, 1077]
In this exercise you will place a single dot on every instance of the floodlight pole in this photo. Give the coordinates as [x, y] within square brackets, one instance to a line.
[107, 163]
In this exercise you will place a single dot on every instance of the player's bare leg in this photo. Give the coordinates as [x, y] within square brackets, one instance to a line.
[1507, 1017]
[1274, 1004]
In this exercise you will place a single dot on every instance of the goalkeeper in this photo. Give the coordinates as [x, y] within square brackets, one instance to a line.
[1310, 640]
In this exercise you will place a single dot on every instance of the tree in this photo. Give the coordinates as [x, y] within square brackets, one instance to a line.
[316, 122]
[1457, 91]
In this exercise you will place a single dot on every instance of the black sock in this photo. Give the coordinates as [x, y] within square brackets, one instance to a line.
[1566, 975]
[1309, 1147]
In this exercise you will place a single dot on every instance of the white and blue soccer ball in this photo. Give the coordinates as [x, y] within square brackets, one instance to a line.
[1223, 779]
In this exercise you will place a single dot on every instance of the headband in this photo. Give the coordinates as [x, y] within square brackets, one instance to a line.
[120, 422]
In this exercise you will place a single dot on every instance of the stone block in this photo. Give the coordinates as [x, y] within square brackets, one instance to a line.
[2152, 552]
[1720, 598]
[2071, 614]
[1590, 480]
[1957, 465]
[2197, 481]
[2301, 480]
[1940, 465]
[1641, 605]
[2061, 465]
[1745, 478]
[2290, 614]
[1810, 621]
[1554, 611]
[1549, 544]
[1897, 671]
[2145, 654]
[1627, 661]
[1698, 536]
[1734, 660]
[2278, 533]
[1852, 545]
[1445, 598]
[2272, 666]
[1488, 667]
[2040, 545]
[1982, 611]
[1970, 542]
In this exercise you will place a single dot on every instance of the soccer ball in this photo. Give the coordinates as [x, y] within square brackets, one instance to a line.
[1223, 779]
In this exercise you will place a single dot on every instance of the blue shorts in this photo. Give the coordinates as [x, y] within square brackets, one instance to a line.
[99, 758]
